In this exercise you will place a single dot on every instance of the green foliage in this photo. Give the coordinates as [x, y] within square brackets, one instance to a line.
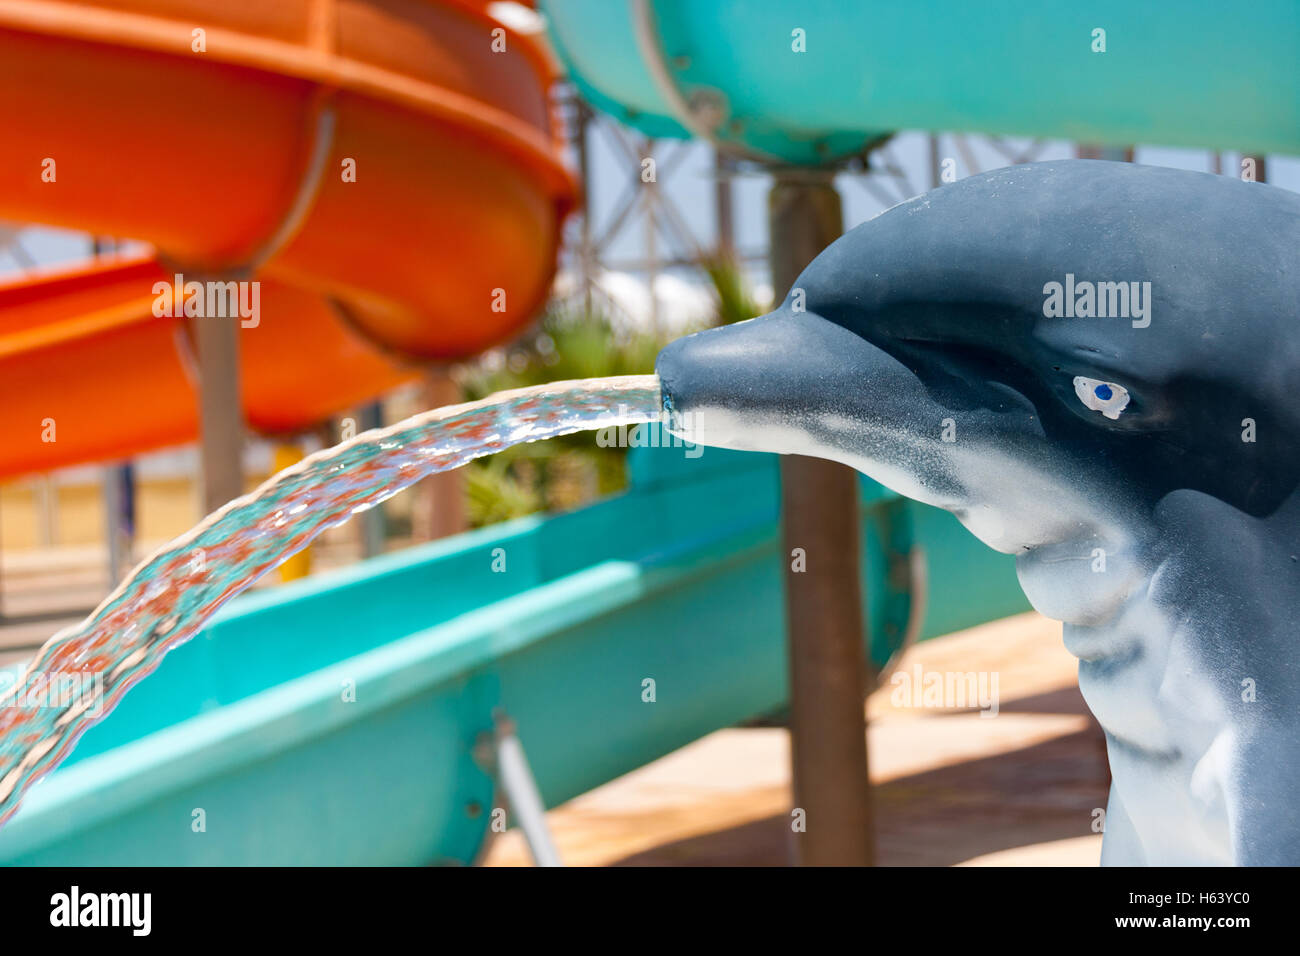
[734, 303]
[573, 470]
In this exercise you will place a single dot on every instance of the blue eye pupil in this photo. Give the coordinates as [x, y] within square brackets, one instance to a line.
[1103, 392]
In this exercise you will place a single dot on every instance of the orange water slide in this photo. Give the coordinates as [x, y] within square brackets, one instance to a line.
[388, 171]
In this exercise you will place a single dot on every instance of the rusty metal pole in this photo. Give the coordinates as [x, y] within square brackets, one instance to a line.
[724, 206]
[439, 505]
[118, 485]
[373, 523]
[824, 619]
[221, 419]
[1116, 154]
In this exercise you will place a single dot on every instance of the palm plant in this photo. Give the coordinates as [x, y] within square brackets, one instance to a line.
[568, 343]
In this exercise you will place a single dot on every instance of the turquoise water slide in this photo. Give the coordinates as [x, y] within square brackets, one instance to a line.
[346, 719]
[809, 81]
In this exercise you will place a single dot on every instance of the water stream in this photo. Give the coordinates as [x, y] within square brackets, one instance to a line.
[80, 674]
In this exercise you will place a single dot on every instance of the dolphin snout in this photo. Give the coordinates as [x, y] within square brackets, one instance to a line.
[746, 366]
[728, 386]
[765, 384]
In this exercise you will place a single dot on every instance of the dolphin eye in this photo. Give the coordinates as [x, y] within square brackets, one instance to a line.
[1105, 397]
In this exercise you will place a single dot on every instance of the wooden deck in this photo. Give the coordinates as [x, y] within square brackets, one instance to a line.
[951, 787]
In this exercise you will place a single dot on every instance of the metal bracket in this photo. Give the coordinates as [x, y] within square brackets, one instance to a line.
[520, 789]
[706, 111]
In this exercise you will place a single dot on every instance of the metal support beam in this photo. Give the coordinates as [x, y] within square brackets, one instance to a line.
[827, 659]
[221, 420]
[47, 511]
[439, 505]
[724, 206]
[119, 523]
[522, 796]
[586, 255]
[650, 195]
[374, 522]
[1116, 154]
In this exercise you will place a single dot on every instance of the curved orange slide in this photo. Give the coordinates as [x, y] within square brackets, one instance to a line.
[386, 171]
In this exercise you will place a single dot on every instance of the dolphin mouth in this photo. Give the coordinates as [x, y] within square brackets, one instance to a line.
[782, 382]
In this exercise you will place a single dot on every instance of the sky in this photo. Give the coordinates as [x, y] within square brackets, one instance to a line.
[690, 185]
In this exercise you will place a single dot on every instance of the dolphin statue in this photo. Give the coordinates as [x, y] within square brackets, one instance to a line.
[1096, 367]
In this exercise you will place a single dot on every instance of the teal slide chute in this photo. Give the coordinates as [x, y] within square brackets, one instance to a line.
[806, 82]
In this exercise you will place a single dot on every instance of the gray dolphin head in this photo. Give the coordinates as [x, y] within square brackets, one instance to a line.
[1095, 366]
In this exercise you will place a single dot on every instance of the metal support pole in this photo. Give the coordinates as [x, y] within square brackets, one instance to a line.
[47, 505]
[374, 524]
[119, 514]
[724, 207]
[827, 660]
[586, 255]
[936, 175]
[650, 195]
[521, 793]
[118, 492]
[221, 419]
[1116, 154]
[439, 506]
